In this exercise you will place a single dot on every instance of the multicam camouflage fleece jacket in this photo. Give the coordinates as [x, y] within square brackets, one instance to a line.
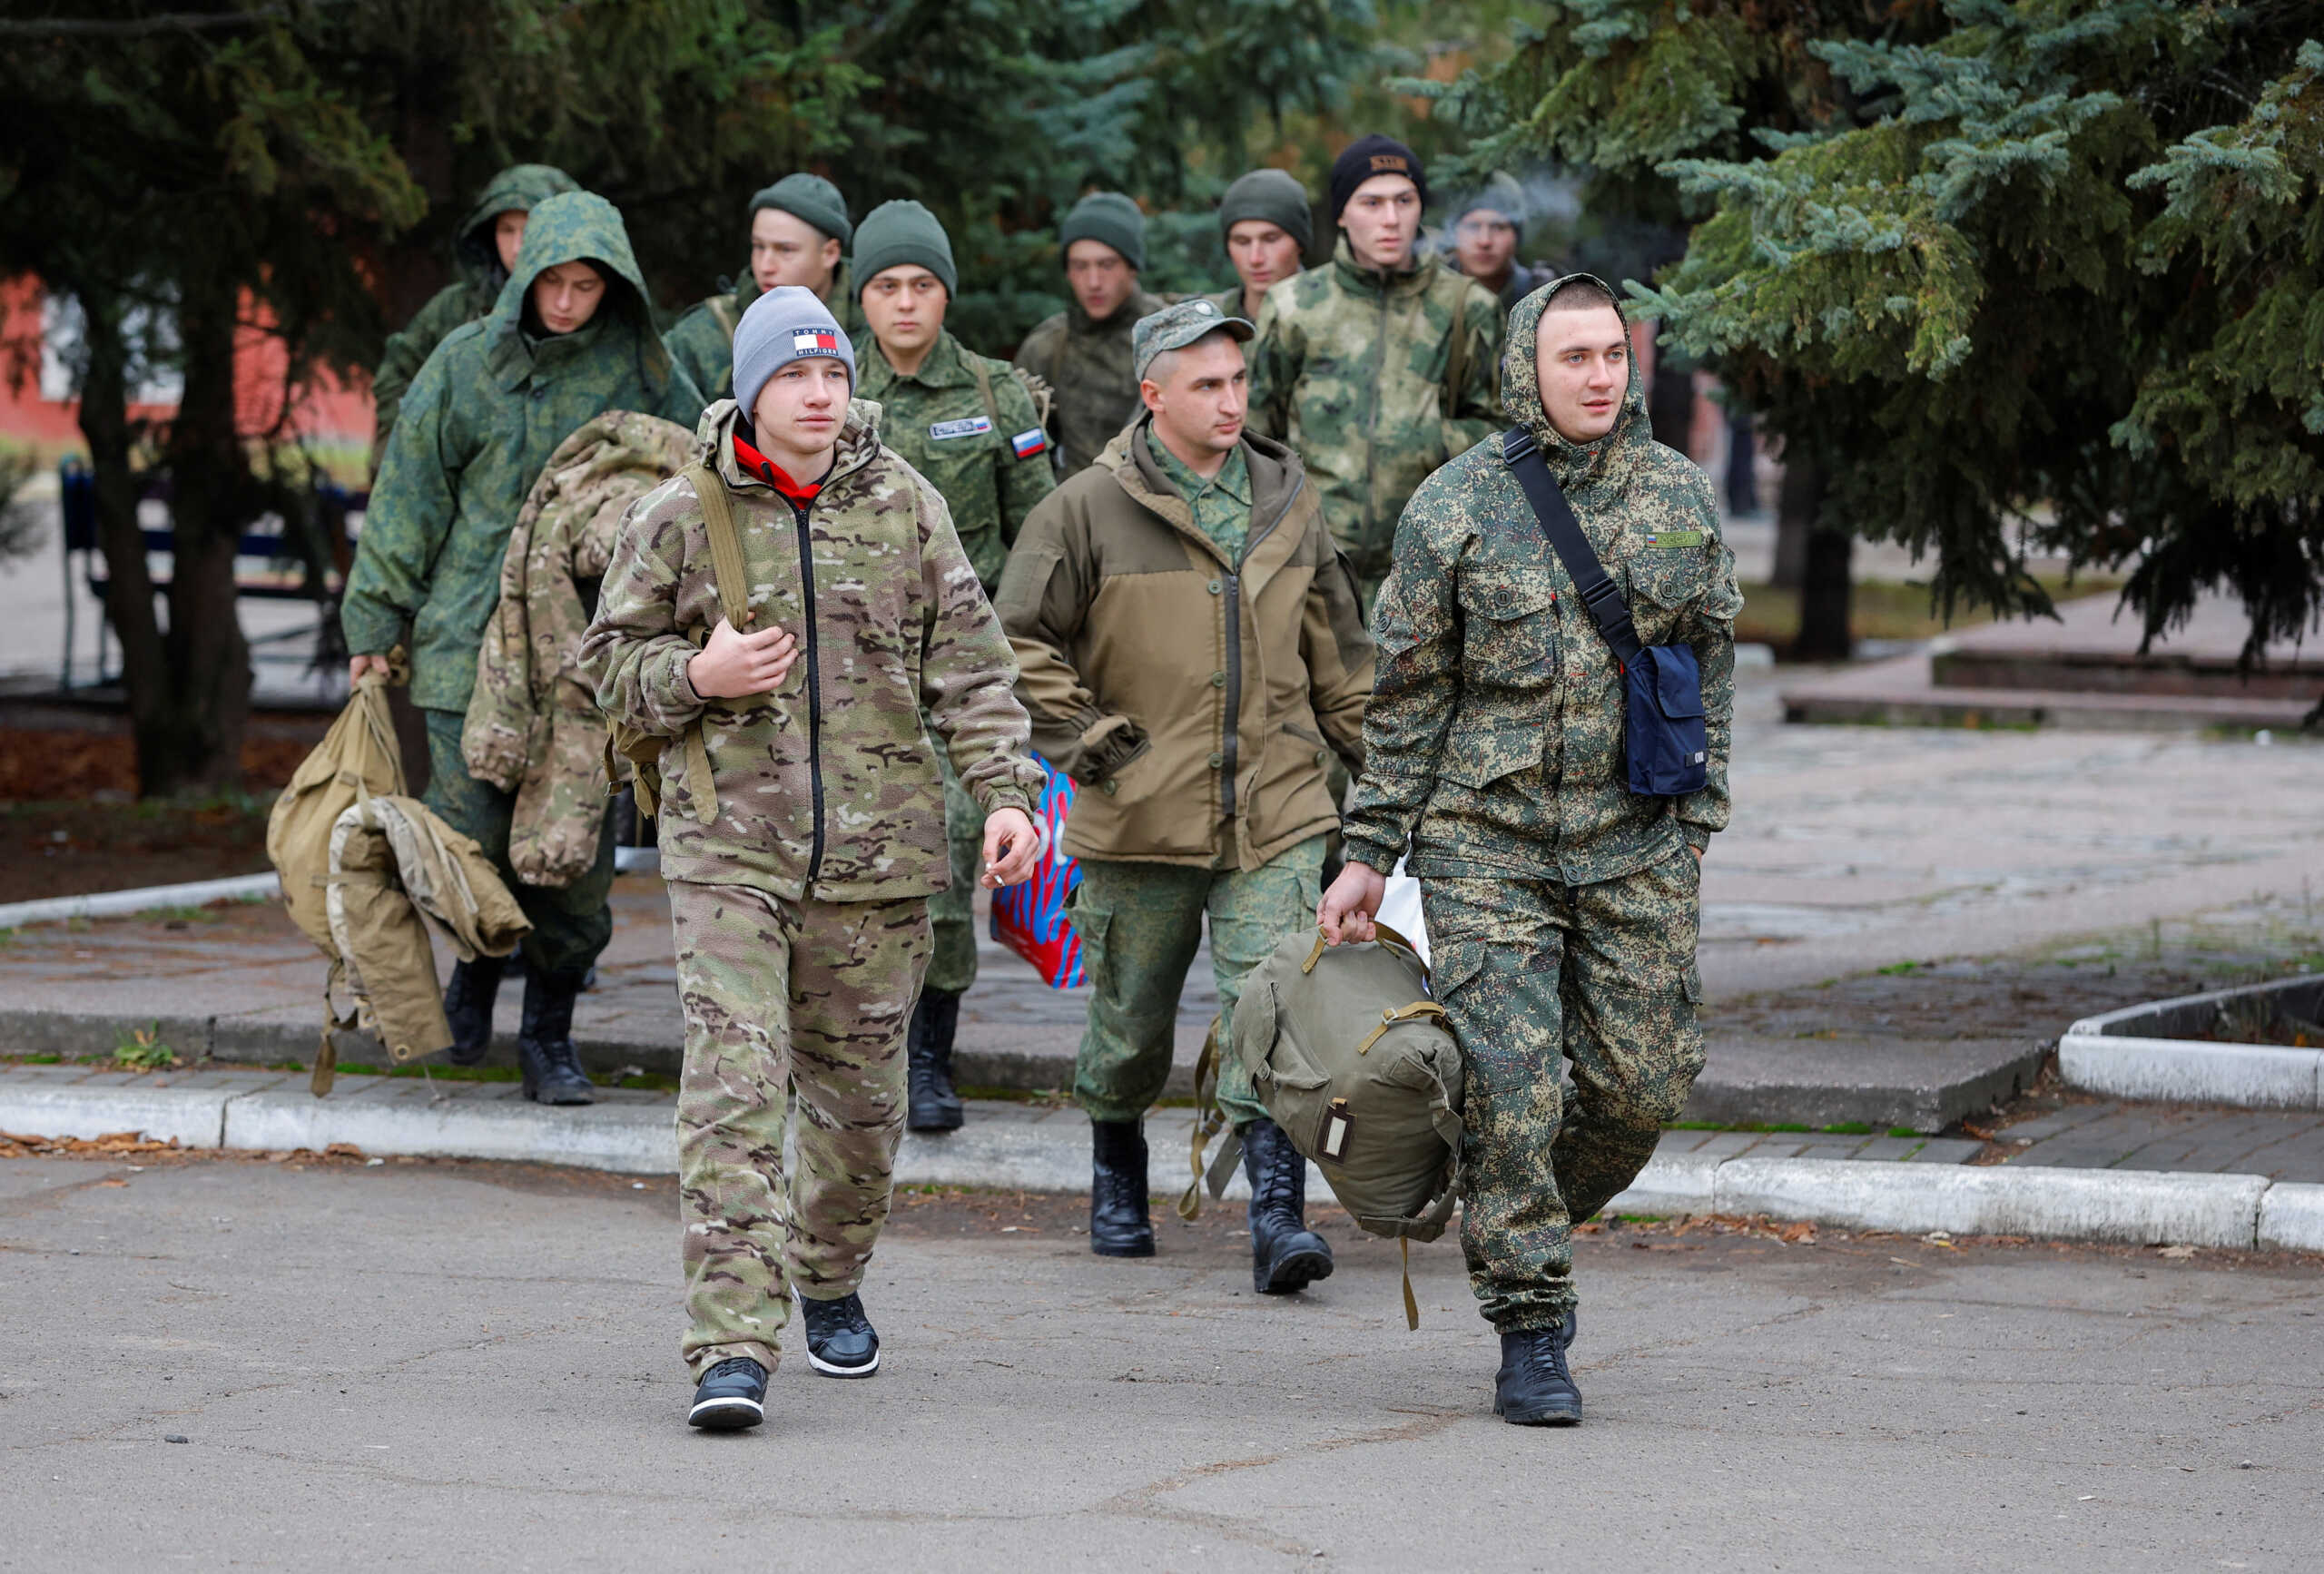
[1088, 365]
[1494, 735]
[826, 789]
[978, 440]
[703, 339]
[482, 417]
[1349, 368]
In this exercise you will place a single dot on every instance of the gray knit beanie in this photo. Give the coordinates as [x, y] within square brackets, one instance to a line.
[787, 323]
[901, 231]
[1274, 195]
[1108, 217]
[812, 199]
[1500, 194]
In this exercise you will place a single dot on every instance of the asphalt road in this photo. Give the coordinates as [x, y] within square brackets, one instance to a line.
[443, 1365]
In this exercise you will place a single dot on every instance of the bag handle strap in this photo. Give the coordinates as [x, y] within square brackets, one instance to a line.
[1209, 1120]
[1419, 1010]
[1555, 515]
[1381, 932]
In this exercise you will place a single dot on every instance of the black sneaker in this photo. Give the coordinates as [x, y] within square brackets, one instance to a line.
[731, 1395]
[840, 1339]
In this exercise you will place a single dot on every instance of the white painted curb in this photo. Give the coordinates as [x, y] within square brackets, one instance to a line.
[2291, 1218]
[195, 1117]
[2108, 1054]
[624, 1138]
[113, 903]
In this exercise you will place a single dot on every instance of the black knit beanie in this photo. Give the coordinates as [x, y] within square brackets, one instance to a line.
[1369, 156]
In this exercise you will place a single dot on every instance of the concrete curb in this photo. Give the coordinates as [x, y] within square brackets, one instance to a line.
[2134, 1053]
[398, 1117]
[113, 903]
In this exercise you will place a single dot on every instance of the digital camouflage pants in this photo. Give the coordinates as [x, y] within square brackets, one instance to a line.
[953, 913]
[1140, 925]
[571, 924]
[785, 1002]
[1536, 976]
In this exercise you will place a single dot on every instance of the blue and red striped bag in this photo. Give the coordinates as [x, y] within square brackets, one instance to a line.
[1030, 918]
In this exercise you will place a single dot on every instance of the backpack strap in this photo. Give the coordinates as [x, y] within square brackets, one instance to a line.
[1555, 516]
[1209, 1120]
[725, 543]
[984, 387]
[1419, 1010]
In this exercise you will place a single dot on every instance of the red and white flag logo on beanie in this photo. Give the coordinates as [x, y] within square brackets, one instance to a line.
[813, 342]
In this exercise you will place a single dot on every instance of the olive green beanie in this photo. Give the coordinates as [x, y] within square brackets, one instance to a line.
[1110, 217]
[1274, 195]
[901, 231]
[812, 199]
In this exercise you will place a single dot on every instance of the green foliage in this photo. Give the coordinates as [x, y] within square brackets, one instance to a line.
[142, 1049]
[2043, 274]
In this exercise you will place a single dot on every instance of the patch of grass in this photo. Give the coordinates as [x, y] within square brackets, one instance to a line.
[1640, 1218]
[42, 1059]
[1787, 1125]
[440, 1072]
[1694, 1125]
[142, 1049]
[1901, 1131]
[1850, 1128]
[179, 915]
[1881, 609]
[1897, 969]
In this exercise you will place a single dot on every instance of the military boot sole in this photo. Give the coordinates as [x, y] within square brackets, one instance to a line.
[468, 1058]
[1560, 1410]
[1289, 1271]
[1136, 1247]
[935, 1117]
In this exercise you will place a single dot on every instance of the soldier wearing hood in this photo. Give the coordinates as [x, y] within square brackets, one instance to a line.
[1562, 907]
[484, 251]
[800, 232]
[570, 337]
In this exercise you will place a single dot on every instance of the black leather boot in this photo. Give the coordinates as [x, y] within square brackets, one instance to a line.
[1285, 1255]
[1533, 1387]
[1119, 1224]
[933, 1105]
[545, 1052]
[467, 1006]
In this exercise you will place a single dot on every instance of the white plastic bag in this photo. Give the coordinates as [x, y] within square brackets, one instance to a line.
[1400, 909]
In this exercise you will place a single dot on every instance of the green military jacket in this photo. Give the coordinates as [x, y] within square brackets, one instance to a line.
[964, 421]
[1088, 365]
[828, 787]
[1230, 301]
[1493, 740]
[482, 417]
[1349, 368]
[703, 339]
[478, 257]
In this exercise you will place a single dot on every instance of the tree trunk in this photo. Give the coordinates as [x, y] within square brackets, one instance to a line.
[1797, 502]
[1824, 587]
[1670, 402]
[104, 423]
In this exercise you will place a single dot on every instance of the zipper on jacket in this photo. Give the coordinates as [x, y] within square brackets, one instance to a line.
[814, 695]
[1234, 694]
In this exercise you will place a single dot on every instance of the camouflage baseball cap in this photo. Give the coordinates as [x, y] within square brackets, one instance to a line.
[1177, 327]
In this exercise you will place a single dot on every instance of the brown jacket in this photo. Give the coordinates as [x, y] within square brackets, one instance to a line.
[1119, 611]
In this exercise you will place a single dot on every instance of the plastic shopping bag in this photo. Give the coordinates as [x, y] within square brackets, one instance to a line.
[1400, 909]
[1030, 918]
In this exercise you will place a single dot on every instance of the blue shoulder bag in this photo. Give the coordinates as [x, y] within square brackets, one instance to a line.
[1663, 735]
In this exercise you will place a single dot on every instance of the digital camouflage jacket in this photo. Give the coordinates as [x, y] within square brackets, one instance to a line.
[1349, 368]
[520, 188]
[978, 440]
[1088, 365]
[533, 726]
[482, 417]
[1494, 735]
[703, 339]
[827, 788]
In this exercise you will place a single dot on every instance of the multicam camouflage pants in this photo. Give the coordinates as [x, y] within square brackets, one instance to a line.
[1140, 925]
[953, 913]
[783, 1001]
[1536, 975]
[571, 924]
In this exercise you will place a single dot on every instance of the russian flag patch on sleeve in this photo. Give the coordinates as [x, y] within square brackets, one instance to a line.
[1028, 444]
[813, 342]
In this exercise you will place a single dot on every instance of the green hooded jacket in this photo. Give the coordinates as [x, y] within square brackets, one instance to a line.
[702, 340]
[480, 421]
[1493, 739]
[1349, 370]
[520, 188]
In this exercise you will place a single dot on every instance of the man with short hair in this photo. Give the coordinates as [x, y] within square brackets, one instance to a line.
[1267, 226]
[571, 337]
[799, 872]
[1562, 906]
[970, 426]
[1380, 366]
[1083, 352]
[1193, 655]
[1486, 230]
[484, 250]
[799, 235]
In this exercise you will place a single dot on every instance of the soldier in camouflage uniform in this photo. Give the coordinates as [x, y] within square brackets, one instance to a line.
[799, 234]
[484, 251]
[970, 426]
[1193, 655]
[1380, 365]
[569, 338]
[1083, 352]
[1562, 907]
[1264, 219]
[801, 826]
[1486, 230]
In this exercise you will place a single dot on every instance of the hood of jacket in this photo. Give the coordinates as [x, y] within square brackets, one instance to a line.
[713, 442]
[1521, 388]
[578, 227]
[520, 188]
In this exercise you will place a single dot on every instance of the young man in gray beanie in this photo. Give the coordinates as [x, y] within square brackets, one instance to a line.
[799, 234]
[801, 824]
[1083, 352]
[970, 426]
[1487, 226]
[1268, 227]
